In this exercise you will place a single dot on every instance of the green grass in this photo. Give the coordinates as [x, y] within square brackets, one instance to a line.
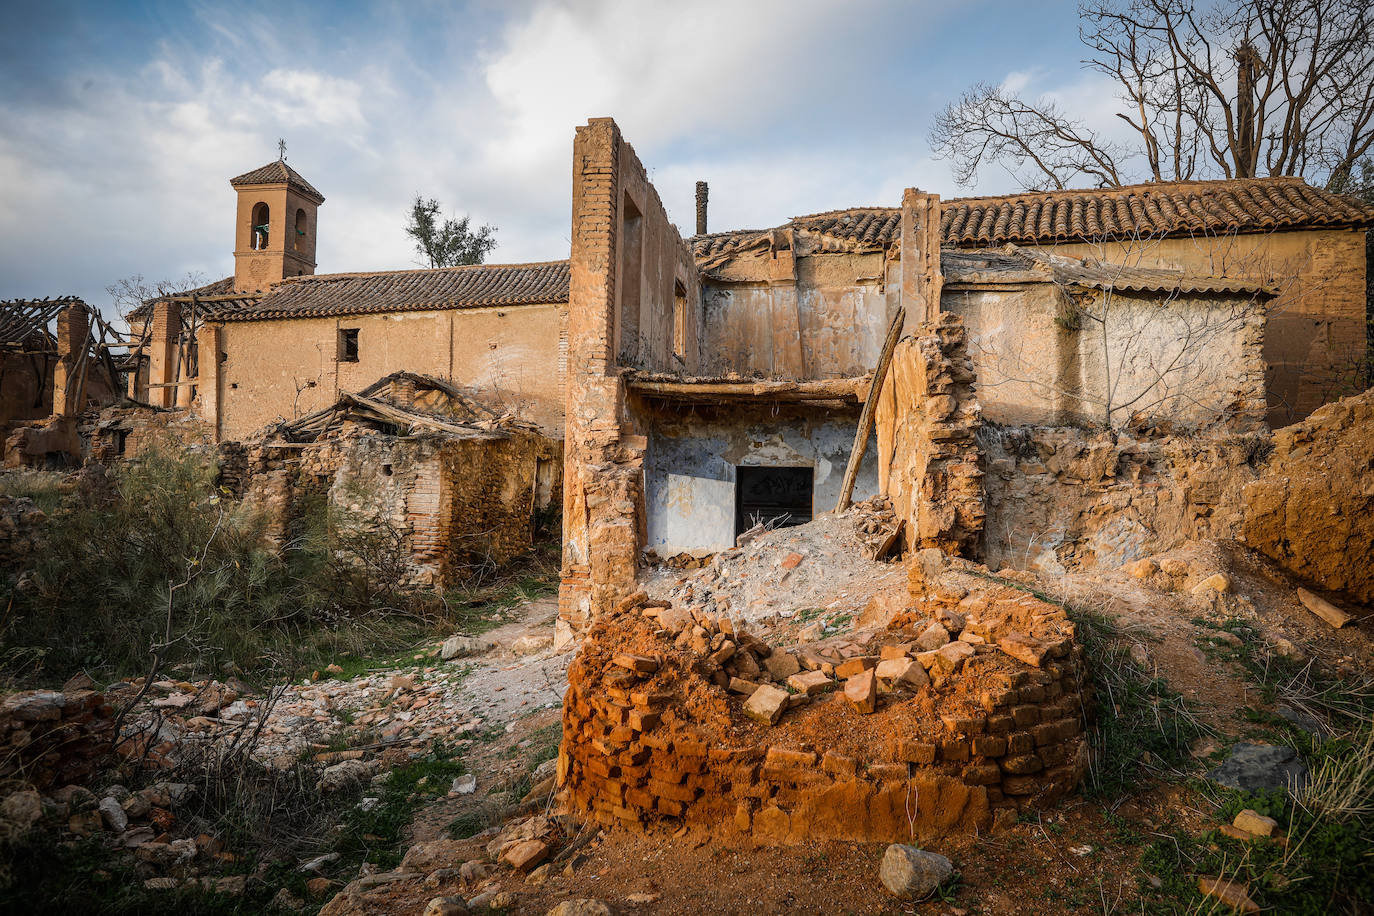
[375, 835]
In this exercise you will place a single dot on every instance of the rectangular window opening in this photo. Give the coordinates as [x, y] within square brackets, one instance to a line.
[777, 497]
[348, 345]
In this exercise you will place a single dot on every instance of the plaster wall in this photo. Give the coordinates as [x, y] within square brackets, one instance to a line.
[691, 460]
[1317, 323]
[1187, 361]
[25, 387]
[512, 353]
[823, 316]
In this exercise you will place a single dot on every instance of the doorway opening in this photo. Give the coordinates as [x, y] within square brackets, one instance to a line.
[777, 497]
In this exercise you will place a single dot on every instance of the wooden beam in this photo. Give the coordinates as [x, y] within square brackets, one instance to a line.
[1324, 609]
[856, 455]
[852, 389]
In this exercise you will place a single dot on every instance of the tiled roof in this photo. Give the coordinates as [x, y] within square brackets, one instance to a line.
[1095, 274]
[1166, 208]
[1172, 208]
[408, 290]
[275, 173]
[209, 309]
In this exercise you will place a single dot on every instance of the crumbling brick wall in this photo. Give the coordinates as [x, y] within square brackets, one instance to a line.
[629, 268]
[929, 463]
[118, 433]
[1312, 509]
[650, 732]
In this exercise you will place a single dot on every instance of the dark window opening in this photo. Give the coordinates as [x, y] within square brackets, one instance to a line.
[121, 442]
[300, 231]
[777, 497]
[348, 345]
[386, 470]
[631, 243]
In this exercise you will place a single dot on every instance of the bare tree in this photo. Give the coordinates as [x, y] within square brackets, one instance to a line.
[129, 293]
[1229, 88]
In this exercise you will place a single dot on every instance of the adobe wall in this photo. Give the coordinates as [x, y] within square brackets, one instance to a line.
[451, 505]
[25, 388]
[626, 261]
[1312, 511]
[821, 315]
[1185, 361]
[1061, 498]
[690, 464]
[1317, 324]
[929, 465]
[952, 740]
[511, 352]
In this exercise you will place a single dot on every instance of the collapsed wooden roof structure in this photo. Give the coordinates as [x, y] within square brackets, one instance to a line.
[452, 412]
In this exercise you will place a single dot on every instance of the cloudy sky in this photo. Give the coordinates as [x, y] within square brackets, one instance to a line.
[121, 123]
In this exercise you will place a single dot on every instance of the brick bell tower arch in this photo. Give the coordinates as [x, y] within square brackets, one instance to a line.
[275, 226]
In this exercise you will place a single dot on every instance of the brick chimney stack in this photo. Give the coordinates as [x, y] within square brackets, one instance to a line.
[701, 207]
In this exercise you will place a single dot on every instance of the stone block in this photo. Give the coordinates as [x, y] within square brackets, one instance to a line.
[861, 691]
[766, 704]
[810, 682]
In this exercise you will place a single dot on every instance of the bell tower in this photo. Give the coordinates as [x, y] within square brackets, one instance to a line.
[274, 231]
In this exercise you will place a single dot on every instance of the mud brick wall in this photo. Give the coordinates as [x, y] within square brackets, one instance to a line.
[963, 753]
[929, 464]
[1312, 509]
[52, 739]
[1062, 498]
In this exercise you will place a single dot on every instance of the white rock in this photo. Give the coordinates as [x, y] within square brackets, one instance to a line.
[114, 815]
[911, 873]
[464, 785]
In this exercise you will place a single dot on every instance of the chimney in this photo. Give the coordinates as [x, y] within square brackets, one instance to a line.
[701, 208]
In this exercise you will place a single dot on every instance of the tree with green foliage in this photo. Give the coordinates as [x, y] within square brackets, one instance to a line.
[445, 242]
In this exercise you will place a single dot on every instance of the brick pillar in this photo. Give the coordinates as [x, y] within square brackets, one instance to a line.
[702, 193]
[921, 277]
[73, 332]
[162, 353]
[207, 384]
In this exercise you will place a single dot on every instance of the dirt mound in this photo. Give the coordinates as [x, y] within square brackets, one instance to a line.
[1312, 510]
[825, 564]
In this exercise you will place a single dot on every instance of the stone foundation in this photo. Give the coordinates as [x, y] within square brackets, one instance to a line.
[51, 739]
[651, 733]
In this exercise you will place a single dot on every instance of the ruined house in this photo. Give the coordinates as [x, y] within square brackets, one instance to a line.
[287, 341]
[412, 465]
[717, 382]
[55, 362]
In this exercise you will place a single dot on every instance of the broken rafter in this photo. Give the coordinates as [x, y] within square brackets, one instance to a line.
[850, 390]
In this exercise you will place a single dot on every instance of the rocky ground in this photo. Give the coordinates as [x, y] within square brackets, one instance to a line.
[492, 838]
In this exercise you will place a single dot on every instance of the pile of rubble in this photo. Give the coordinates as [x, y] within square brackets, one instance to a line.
[51, 738]
[971, 698]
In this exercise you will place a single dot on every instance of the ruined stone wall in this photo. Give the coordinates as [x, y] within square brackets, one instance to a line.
[284, 369]
[1316, 325]
[1061, 498]
[448, 505]
[626, 259]
[928, 461]
[650, 732]
[118, 433]
[1312, 510]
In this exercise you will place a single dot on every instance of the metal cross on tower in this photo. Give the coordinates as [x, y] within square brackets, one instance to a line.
[281, 149]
